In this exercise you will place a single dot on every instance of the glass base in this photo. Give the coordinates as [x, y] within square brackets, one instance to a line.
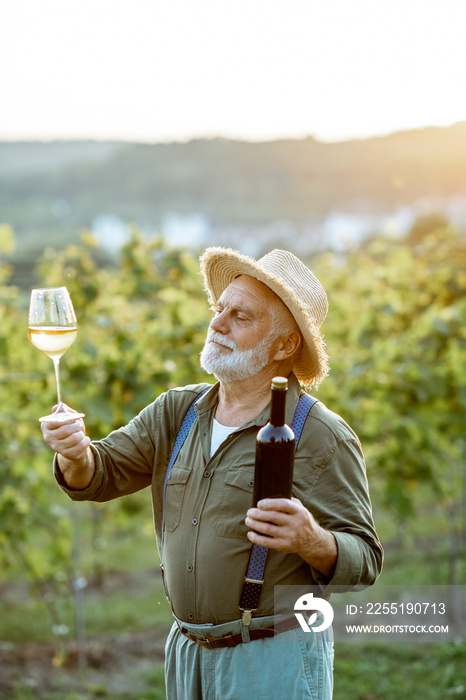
[61, 417]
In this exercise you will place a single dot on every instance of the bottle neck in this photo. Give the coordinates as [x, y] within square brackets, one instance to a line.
[277, 411]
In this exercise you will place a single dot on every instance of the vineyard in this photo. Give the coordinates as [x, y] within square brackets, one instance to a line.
[71, 576]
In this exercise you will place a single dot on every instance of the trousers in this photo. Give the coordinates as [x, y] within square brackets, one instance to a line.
[294, 665]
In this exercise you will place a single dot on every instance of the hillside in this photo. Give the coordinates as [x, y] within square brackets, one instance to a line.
[49, 191]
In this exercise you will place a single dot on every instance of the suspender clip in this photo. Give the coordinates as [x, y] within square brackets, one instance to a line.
[246, 618]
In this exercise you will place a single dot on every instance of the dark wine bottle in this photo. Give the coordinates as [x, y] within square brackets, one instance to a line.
[273, 472]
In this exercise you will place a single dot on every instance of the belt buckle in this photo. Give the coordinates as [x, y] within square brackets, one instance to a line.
[200, 640]
[205, 640]
[193, 637]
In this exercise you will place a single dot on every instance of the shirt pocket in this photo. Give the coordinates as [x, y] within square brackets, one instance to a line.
[174, 496]
[235, 501]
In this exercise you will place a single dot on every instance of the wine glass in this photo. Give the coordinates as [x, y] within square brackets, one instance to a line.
[53, 329]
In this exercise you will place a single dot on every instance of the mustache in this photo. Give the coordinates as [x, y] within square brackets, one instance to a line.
[220, 339]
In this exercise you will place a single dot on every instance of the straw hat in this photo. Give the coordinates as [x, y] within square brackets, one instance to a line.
[296, 286]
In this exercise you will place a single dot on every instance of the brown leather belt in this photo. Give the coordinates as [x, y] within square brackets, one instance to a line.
[232, 640]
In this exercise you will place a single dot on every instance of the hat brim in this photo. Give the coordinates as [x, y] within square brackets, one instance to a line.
[220, 266]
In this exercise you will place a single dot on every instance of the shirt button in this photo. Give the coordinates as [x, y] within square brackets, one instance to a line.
[250, 483]
[191, 616]
[194, 521]
[189, 568]
[207, 474]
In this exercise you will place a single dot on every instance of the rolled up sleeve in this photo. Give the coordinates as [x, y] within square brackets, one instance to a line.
[339, 500]
[123, 462]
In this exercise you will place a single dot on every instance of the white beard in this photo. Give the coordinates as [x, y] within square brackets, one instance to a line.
[237, 364]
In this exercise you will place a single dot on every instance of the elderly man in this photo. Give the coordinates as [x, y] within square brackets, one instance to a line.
[267, 319]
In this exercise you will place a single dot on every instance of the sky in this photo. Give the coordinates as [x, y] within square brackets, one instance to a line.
[152, 70]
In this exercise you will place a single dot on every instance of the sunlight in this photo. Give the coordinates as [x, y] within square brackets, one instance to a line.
[150, 70]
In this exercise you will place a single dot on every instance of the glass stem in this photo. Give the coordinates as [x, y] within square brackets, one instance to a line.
[56, 364]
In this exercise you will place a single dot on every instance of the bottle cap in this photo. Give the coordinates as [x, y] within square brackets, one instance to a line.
[279, 383]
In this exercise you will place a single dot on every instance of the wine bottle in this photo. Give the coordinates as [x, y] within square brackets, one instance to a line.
[273, 471]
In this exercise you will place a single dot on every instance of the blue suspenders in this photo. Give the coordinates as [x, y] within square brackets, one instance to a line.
[255, 572]
[186, 425]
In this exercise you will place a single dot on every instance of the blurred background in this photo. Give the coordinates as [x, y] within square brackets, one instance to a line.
[132, 136]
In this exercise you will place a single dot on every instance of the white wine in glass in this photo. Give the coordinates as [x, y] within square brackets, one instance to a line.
[53, 329]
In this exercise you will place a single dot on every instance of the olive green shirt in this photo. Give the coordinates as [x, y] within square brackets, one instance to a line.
[206, 549]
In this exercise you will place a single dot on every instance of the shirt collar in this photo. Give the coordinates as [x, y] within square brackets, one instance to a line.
[210, 399]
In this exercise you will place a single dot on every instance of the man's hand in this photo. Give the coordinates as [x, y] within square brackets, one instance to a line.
[75, 458]
[286, 525]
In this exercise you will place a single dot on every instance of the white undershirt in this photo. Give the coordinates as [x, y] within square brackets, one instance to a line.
[219, 434]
